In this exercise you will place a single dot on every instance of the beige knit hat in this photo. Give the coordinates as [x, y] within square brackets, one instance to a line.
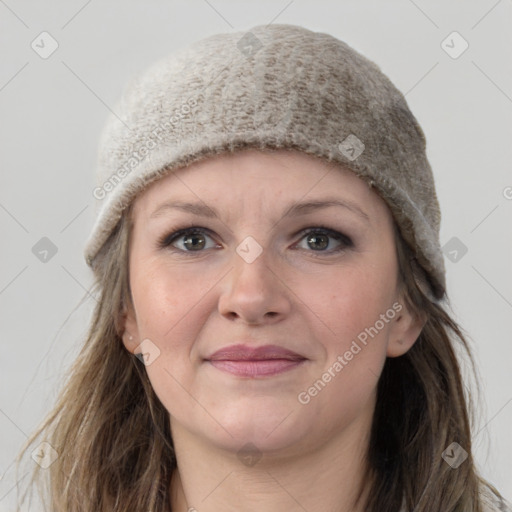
[275, 86]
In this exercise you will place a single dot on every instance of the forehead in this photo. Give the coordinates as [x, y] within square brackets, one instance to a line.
[268, 178]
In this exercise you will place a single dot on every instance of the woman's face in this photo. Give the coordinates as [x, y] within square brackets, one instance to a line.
[286, 252]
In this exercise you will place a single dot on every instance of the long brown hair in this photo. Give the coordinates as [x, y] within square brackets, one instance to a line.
[114, 443]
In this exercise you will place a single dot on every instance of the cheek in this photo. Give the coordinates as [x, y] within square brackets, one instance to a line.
[164, 297]
[172, 306]
[168, 304]
[353, 314]
[350, 299]
[343, 384]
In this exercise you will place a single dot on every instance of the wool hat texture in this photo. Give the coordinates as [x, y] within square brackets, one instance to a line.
[273, 86]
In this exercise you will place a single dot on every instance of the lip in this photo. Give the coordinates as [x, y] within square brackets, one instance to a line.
[246, 353]
[246, 361]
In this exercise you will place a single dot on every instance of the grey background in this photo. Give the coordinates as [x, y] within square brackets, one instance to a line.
[52, 111]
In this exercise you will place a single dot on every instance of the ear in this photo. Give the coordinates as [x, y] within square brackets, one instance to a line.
[405, 329]
[131, 339]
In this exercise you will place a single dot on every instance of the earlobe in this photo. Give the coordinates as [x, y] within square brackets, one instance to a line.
[405, 331]
[130, 331]
[128, 342]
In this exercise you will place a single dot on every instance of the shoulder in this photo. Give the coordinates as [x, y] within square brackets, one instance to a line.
[492, 501]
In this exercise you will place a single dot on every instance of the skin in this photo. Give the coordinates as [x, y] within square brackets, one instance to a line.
[297, 294]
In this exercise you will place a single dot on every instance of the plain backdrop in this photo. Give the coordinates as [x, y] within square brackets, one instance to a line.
[53, 109]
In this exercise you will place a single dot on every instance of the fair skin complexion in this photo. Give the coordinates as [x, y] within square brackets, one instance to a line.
[198, 294]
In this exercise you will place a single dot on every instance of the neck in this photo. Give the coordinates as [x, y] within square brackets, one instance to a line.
[325, 478]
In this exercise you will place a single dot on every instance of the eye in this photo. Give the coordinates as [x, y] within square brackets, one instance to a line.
[318, 239]
[192, 239]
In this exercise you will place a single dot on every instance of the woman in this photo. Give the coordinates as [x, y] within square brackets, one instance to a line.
[271, 331]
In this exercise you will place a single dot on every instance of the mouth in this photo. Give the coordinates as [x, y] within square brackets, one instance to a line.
[244, 361]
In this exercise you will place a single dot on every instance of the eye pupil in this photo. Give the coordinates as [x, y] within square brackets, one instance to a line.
[314, 239]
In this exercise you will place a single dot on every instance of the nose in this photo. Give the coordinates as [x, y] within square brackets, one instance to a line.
[254, 292]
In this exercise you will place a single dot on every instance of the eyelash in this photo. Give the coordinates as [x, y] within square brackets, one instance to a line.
[165, 241]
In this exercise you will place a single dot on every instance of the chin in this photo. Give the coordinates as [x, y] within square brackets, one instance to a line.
[269, 427]
[248, 442]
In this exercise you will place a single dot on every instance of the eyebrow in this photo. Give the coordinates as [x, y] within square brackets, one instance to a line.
[293, 210]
